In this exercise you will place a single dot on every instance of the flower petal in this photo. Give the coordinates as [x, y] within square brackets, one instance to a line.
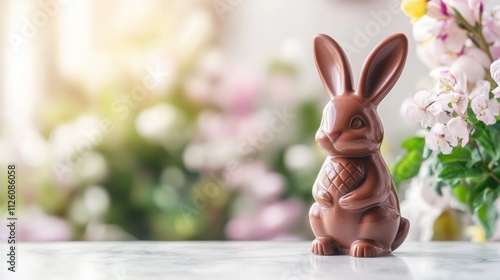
[423, 98]
[413, 113]
[482, 88]
[478, 104]
[445, 147]
[473, 69]
[431, 141]
[414, 8]
[496, 92]
[494, 107]
[458, 128]
[495, 70]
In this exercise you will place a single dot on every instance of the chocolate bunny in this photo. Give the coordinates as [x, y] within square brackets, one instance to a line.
[357, 208]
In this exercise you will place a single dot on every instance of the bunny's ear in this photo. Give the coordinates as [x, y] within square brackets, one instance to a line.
[382, 68]
[333, 66]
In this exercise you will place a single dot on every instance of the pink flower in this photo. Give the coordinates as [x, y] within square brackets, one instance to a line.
[482, 88]
[453, 36]
[37, 226]
[491, 31]
[422, 109]
[437, 9]
[486, 109]
[474, 4]
[270, 221]
[446, 136]
[440, 138]
[442, 116]
[464, 9]
[495, 50]
[440, 41]
[495, 74]
[447, 81]
[458, 129]
[268, 186]
[434, 54]
[477, 7]
[495, 71]
[240, 91]
[452, 93]
[446, 31]
[472, 62]
[458, 101]
[426, 28]
[496, 92]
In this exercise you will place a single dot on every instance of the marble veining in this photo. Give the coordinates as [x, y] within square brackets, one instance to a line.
[246, 260]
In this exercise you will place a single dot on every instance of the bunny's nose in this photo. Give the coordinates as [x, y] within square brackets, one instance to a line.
[334, 135]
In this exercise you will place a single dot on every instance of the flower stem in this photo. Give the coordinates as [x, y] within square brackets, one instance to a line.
[476, 32]
[488, 170]
[489, 78]
[485, 45]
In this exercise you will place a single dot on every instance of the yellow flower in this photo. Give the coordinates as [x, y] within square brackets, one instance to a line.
[476, 234]
[414, 8]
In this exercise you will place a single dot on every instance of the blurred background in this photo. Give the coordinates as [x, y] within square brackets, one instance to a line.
[180, 119]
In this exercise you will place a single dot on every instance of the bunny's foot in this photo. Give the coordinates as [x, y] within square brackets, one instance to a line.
[325, 246]
[404, 228]
[364, 248]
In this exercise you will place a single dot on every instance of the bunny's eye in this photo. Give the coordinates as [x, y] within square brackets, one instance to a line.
[357, 123]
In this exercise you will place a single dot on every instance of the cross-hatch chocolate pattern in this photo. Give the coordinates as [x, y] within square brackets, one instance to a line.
[343, 178]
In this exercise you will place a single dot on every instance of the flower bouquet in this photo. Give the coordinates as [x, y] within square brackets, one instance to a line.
[460, 41]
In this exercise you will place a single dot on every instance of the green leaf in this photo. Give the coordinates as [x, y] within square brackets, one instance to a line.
[475, 158]
[426, 153]
[439, 185]
[408, 166]
[487, 143]
[493, 133]
[477, 191]
[309, 118]
[461, 192]
[477, 132]
[487, 212]
[458, 154]
[414, 143]
[456, 170]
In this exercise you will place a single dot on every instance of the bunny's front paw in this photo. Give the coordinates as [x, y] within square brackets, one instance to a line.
[324, 199]
[346, 201]
[325, 246]
[351, 202]
[367, 249]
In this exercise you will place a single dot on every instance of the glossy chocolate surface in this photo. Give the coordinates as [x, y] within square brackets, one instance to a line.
[357, 208]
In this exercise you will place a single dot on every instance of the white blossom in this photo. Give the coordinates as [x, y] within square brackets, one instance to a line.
[423, 110]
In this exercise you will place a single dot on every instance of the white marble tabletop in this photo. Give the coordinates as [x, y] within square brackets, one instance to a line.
[246, 260]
